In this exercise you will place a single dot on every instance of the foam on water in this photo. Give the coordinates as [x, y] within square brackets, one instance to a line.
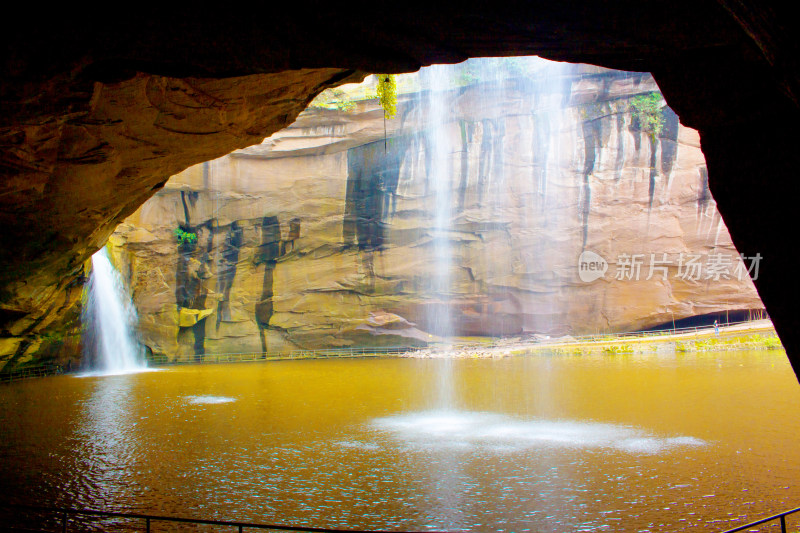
[120, 372]
[357, 445]
[209, 399]
[493, 431]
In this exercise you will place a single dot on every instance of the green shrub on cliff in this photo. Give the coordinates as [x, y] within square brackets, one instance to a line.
[184, 236]
[646, 110]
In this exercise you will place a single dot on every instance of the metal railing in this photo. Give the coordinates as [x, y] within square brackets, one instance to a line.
[64, 515]
[377, 351]
[30, 372]
[780, 516]
[611, 337]
[319, 353]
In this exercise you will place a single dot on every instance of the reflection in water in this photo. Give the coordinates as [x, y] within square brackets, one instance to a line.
[539, 443]
[109, 445]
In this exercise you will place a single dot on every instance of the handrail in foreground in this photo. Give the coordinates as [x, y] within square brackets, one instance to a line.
[780, 516]
[65, 513]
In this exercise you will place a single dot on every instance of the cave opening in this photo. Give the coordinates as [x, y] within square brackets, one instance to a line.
[753, 119]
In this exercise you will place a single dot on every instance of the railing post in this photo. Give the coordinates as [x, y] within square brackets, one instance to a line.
[64, 523]
[147, 524]
[783, 523]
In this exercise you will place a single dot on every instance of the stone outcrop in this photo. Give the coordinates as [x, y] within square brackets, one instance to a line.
[324, 234]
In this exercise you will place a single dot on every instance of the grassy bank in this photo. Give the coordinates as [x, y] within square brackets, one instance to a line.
[757, 336]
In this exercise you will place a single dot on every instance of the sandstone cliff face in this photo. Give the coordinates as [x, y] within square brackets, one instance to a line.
[71, 180]
[326, 234]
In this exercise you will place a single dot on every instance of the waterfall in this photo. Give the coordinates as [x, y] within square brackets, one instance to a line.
[109, 321]
[439, 168]
[439, 150]
[495, 169]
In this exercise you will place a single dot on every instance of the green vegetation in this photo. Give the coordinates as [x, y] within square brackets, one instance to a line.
[617, 348]
[344, 98]
[706, 344]
[387, 94]
[52, 336]
[646, 110]
[185, 237]
[754, 341]
[616, 345]
[335, 98]
[772, 343]
[466, 75]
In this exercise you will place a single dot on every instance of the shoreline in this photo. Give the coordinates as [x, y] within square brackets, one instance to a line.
[754, 335]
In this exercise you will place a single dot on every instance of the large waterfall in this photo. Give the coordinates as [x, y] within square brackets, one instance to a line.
[496, 185]
[109, 321]
[439, 168]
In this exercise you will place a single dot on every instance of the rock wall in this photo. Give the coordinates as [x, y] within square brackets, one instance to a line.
[325, 234]
[67, 182]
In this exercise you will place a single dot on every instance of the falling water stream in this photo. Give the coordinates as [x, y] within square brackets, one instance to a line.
[439, 153]
[470, 150]
[109, 321]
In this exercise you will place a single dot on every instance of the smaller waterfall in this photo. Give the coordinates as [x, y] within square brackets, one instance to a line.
[109, 319]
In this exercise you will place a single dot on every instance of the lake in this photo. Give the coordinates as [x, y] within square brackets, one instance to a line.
[697, 441]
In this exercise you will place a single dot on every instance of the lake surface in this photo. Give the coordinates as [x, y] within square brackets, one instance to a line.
[532, 443]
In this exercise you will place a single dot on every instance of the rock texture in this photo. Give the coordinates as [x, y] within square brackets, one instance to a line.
[324, 234]
[728, 68]
[70, 182]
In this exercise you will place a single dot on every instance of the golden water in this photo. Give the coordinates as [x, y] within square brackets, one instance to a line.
[539, 443]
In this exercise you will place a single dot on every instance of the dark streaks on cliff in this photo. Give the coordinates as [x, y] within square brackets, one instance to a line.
[193, 268]
[619, 162]
[226, 270]
[668, 139]
[268, 254]
[485, 159]
[372, 176]
[466, 137]
[653, 170]
[704, 196]
[591, 142]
